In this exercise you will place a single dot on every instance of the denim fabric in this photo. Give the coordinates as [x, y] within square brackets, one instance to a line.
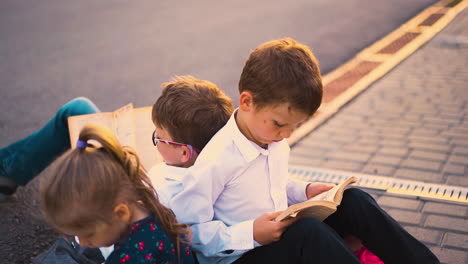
[26, 158]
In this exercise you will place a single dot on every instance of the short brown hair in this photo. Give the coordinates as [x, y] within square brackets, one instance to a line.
[283, 71]
[191, 110]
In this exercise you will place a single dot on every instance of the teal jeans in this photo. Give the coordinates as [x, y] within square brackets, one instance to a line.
[26, 158]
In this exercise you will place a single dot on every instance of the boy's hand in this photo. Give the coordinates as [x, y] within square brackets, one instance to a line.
[316, 188]
[266, 230]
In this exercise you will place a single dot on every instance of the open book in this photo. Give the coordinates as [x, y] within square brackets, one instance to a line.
[319, 206]
[132, 126]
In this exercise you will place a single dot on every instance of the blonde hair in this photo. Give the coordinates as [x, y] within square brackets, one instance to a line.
[85, 184]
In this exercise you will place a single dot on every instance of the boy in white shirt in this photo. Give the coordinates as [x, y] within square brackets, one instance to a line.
[239, 183]
[186, 116]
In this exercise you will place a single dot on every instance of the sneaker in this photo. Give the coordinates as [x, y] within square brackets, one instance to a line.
[367, 257]
[7, 186]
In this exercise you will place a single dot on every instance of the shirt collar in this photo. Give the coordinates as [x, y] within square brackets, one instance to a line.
[161, 169]
[247, 148]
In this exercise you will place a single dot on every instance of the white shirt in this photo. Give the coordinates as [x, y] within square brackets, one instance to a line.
[233, 182]
[167, 180]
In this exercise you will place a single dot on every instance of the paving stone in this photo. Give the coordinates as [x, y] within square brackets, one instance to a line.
[388, 142]
[423, 132]
[404, 216]
[454, 116]
[428, 139]
[428, 146]
[340, 137]
[427, 236]
[460, 150]
[306, 151]
[351, 156]
[455, 240]
[377, 169]
[444, 208]
[447, 222]
[419, 175]
[368, 141]
[400, 152]
[455, 134]
[458, 159]
[402, 203]
[457, 180]
[361, 148]
[320, 144]
[437, 127]
[422, 164]
[454, 169]
[428, 155]
[438, 120]
[342, 165]
[459, 142]
[395, 130]
[450, 256]
[385, 160]
[305, 161]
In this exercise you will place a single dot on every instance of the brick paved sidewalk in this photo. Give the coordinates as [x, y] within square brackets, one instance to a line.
[412, 124]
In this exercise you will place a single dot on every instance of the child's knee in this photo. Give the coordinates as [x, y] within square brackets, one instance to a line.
[353, 197]
[308, 227]
[355, 193]
[78, 106]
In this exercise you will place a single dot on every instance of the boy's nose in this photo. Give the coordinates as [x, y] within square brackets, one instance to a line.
[286, 133]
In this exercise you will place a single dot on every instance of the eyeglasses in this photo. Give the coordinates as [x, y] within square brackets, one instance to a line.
[156, 140]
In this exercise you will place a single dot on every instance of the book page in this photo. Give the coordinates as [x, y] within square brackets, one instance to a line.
[76, 123]
[335, 194]
[124, 125]
[326, 196]
[144, 128]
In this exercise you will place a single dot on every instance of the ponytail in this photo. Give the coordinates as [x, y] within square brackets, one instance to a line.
[102, 173]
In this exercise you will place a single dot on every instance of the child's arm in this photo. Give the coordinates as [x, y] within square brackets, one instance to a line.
[194, 206]
[296, 191]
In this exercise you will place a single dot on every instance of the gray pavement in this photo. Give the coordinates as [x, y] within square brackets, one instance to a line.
[411, 124]
[120, 51]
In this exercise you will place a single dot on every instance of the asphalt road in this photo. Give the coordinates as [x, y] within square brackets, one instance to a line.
[117, 51]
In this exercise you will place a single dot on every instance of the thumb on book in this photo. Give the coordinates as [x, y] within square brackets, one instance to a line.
[316, 188]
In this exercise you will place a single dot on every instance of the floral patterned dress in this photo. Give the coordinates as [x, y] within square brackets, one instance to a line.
[148, 243]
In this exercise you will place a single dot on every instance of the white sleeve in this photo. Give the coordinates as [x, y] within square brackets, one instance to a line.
[296, 191]
[194, 206]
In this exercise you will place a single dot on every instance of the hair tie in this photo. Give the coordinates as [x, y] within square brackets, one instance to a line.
[81, 144]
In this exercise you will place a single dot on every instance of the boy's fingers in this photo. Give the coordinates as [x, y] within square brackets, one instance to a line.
[287, 222]
[272, 216]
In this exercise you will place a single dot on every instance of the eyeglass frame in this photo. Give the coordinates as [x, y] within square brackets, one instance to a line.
[156, 140]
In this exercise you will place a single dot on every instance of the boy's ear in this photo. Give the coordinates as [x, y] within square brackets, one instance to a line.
[246, 101]
[185, 154]
[122, 212]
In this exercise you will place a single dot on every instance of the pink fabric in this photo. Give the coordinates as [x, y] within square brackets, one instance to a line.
[367, 257]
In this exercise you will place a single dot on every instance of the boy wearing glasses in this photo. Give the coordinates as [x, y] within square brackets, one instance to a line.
[239, 183]
[186, 115]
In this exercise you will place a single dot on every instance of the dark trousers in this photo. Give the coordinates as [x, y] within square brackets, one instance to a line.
[312, 241]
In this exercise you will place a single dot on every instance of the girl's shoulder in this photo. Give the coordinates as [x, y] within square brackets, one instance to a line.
[148, 243]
